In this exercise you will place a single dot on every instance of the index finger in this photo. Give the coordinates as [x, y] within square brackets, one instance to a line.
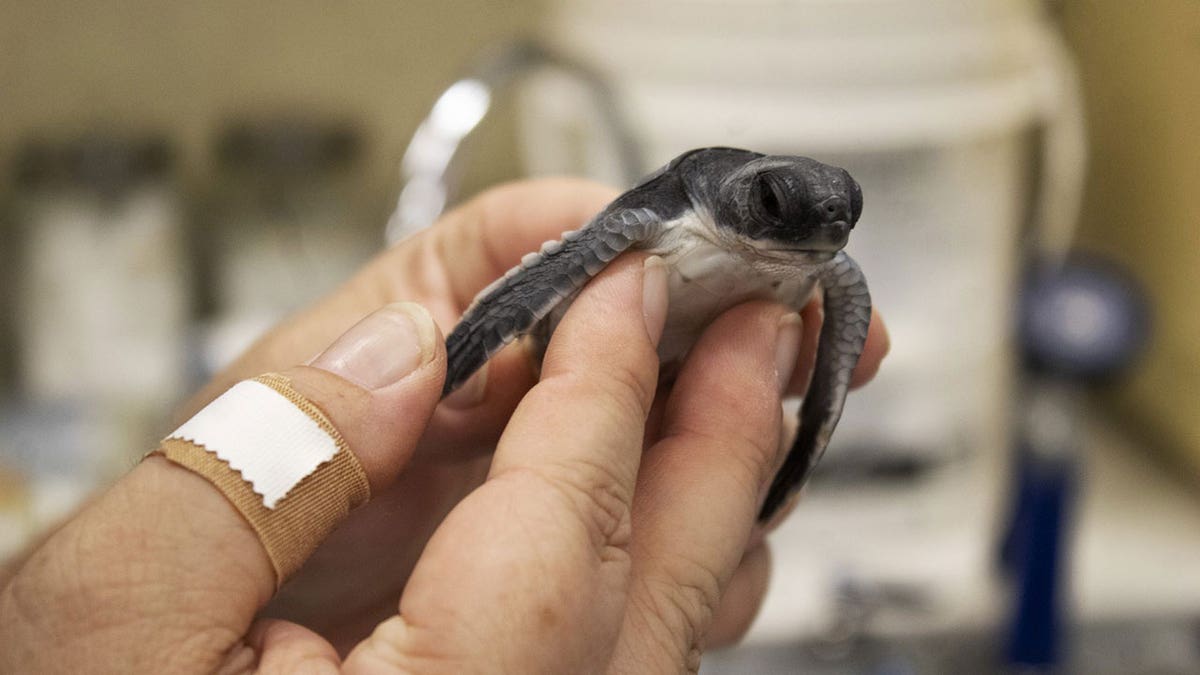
[581, 427]
[539, 552]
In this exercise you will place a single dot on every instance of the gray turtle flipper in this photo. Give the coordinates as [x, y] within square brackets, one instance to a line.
[843, 335]
[514, 304]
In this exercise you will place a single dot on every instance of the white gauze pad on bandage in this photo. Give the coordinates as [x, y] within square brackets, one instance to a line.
[262, 435]
[279, 461]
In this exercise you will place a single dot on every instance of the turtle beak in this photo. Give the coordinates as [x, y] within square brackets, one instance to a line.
[831, 237]
[836, 233]
[834, 223]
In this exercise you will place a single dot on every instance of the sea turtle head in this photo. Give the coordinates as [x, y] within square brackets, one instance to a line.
[789, 204]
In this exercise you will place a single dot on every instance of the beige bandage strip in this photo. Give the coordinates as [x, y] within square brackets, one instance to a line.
[298, 521]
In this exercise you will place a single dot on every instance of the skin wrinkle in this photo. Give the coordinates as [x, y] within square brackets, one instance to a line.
[644, 617]
[203, 649]
[627, 381]
[607, 550]
[19, 613]
[749, 483]
[240, 659]
[742, 596]
[203, 640]
[290, 648]
[123, 593]
[601, 507]
[595, 432]
[228, 551]
[530, 512]
[757, 453]
[621, 399]
[400, 647]
[758, 462]
[690, 602]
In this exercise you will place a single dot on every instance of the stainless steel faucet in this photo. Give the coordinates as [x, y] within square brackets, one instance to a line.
[428, 183]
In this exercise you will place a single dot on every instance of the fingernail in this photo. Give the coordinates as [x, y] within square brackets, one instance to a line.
[787, 348]
[383, 348]
[654, 296]
[470, 394]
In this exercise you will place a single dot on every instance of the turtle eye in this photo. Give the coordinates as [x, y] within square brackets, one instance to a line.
[770, 202]
[768, 198]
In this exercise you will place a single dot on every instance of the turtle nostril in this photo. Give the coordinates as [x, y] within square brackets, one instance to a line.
[833, 210]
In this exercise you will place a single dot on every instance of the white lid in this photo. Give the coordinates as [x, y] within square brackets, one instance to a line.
[837, 43]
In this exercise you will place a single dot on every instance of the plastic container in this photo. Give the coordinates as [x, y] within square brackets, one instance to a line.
[947, 112]
[103, 305]
[928, 104]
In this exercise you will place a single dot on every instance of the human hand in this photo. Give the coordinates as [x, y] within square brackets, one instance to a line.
[584, 550]
[353, 580]
[442, 268]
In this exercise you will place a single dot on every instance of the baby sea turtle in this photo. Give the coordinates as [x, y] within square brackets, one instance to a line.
[732, 225]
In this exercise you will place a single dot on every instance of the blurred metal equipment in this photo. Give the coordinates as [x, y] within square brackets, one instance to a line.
[427, 166]
[1080, 322]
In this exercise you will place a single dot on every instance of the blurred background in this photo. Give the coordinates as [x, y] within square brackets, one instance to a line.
[1018, 489]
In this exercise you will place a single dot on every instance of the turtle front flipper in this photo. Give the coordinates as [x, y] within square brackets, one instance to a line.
[843, 334]
[513, 304]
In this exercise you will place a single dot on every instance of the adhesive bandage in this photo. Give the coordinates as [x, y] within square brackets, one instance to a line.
[279, 460]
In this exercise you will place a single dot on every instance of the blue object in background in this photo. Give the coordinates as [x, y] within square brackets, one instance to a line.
[1036, 552]
[1080, 322]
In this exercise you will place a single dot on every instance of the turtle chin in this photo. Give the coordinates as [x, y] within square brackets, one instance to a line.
[814, 249]
[792, 252]
[808, 256]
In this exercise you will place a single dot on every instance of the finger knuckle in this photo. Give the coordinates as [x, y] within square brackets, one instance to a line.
[628, 386]
[681, 600]
[598, 499]
[752, 452]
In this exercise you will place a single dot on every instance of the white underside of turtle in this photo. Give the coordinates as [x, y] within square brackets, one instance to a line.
[706, 276]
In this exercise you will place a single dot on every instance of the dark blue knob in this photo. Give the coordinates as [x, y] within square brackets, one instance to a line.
[1083, 319]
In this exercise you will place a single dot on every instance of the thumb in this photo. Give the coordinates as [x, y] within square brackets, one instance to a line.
[379, 383]
[164, 558]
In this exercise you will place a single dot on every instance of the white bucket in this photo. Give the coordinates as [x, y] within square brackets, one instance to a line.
[929, 104]
[926, 103]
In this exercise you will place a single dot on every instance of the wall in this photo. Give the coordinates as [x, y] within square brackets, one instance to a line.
[1140, 63]
[183, 67]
